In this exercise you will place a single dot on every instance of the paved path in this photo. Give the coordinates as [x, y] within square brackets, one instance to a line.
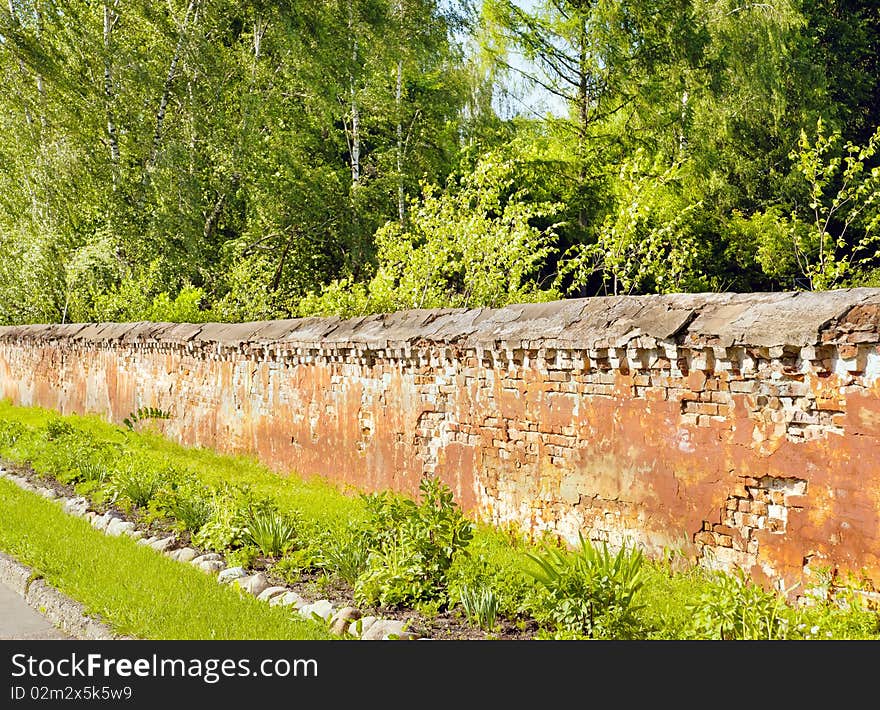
[21, 622]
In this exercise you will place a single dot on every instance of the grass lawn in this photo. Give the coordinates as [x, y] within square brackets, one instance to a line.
[135, 590]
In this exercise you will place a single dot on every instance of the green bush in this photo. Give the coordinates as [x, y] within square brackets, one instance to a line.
[734, 607]
[186, 501]
[137, 483]
[225, 527]
[412, 546]
[589, 592]
[57, 428]
[270, 531]
[10, 433]
[345, 554]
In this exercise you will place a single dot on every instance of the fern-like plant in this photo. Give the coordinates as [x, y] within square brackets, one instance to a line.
[144, 413]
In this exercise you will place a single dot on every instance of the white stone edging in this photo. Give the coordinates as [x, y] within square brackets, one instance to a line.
[69, 614]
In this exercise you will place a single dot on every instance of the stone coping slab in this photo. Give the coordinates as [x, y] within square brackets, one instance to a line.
[795, 319]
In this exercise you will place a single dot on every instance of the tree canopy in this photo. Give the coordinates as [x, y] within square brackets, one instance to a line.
[198, 161]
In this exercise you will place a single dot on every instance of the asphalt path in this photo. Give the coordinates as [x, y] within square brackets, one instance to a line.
[21, 622]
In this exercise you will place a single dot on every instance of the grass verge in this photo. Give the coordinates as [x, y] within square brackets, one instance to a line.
[136, 591]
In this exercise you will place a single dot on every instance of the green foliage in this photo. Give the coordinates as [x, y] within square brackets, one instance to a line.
[193, 606]
[665, 599]
[272, 532]
[137, 483]
[345, 554]
[144, 413]
[495, 562]
[413, 546]
[480, 606]
[734, 607]
[295, 562]
[226, 527]
[10, 432]
[844, 193]
[244, 556]
[57, 428]
[649, 242]
[590, 592]
[185, 307]
[473, 244]
[185, 500]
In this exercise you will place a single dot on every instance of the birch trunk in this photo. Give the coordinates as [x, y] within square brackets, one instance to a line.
[401, 197]
[110, 18]
[169, 79]
[21, 67]
[355, 113]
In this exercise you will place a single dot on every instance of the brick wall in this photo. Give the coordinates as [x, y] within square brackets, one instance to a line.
[740, 428]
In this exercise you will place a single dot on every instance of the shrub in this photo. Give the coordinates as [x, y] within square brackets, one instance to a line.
[10, 433]
[395, 575]
[734, 607]
[188, 502]
[590, 592]
[345, 554]
[57, 428]
[412, 546]
[270, 531]
[137, 483]
[225, 528]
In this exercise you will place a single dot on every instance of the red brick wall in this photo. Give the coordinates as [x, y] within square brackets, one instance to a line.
[742, 429]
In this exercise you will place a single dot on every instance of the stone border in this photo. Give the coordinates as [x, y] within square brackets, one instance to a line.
[69, 615]
[65, 613]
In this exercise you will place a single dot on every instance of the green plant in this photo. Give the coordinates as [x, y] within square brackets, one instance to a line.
[224, 529]
[734, 607]
[480, 606]
[244, 556]
[57, 428]
[144, 413]
[93, 472]
[346, 554]
[10, 432]
[394, 576]
[270, 531]
[844, 194]
[137, 484]
[294, 563]
[183, 499]
[412, 545]
[590, 591]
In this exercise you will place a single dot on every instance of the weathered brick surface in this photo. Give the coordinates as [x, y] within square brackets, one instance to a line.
[742, 428]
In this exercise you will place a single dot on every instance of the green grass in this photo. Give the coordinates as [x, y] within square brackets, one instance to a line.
[135, 590]
[317, 500]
